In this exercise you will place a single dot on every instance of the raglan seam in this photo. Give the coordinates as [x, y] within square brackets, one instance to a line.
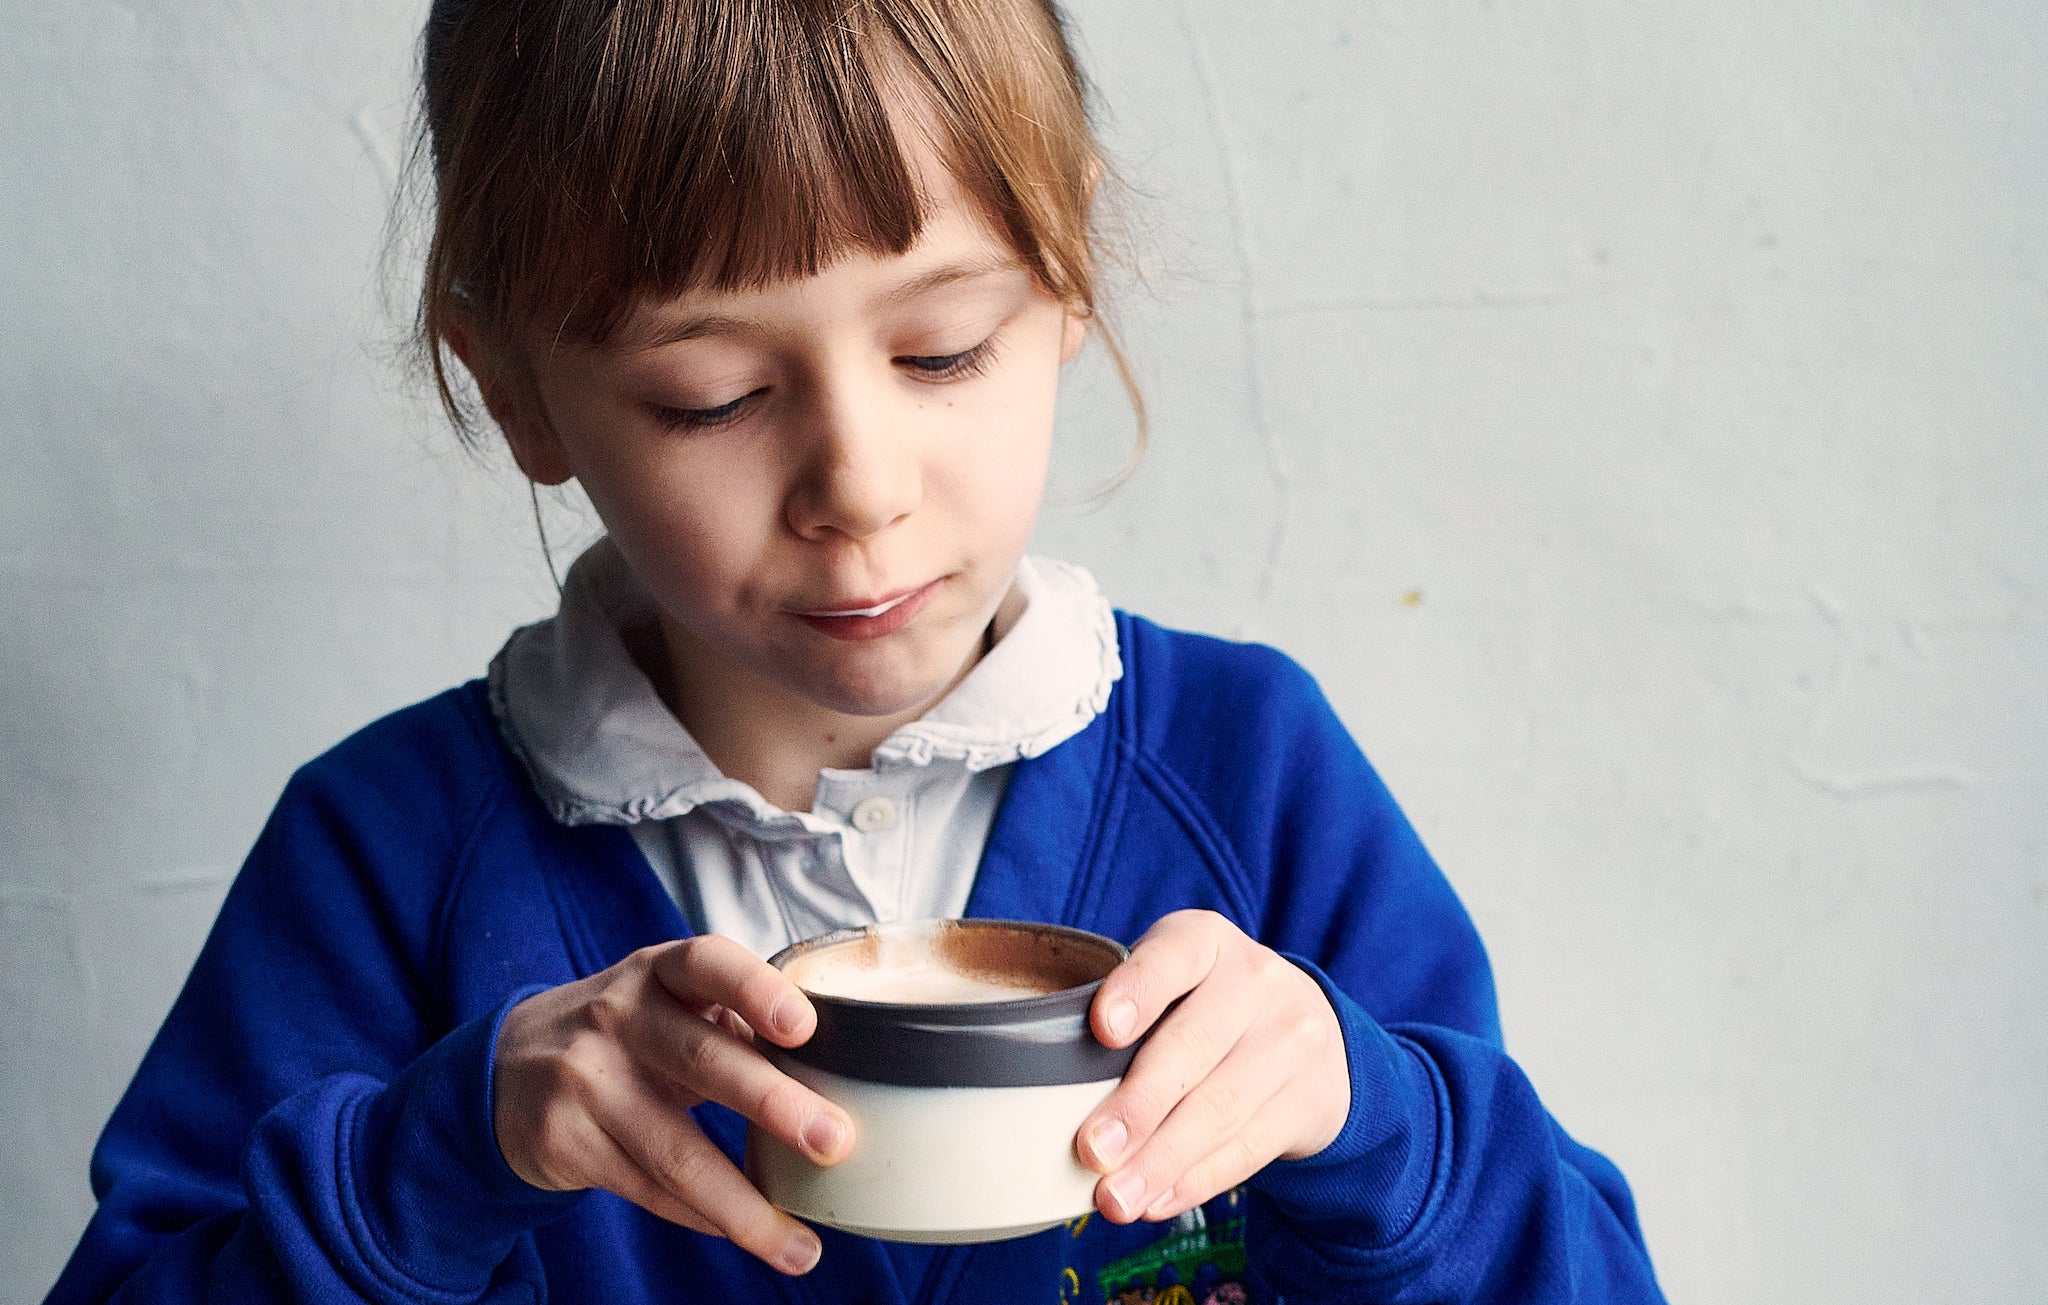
[1217, 849]
[1083, 895]
[1179, 796]
[492, 797]
[1099, 844]
[579, 943]
[464, 863]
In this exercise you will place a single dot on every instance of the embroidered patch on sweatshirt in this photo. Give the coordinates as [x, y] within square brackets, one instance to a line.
[1199, 1260]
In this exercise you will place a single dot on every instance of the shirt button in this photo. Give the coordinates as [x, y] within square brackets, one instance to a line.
[873, 815]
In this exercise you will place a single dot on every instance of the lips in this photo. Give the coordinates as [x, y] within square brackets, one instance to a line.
[864, 619]
[875, 609]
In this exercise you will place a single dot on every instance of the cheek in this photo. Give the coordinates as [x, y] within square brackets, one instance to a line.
[1012, 440]
[994, 472]
[689, 526]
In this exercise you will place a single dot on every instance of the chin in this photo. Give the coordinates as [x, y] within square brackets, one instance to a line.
[881, 687]
[877, 699]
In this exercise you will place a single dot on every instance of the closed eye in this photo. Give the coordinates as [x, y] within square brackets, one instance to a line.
[702, 418]
[952, 366]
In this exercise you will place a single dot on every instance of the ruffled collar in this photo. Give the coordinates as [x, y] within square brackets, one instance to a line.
[602, 748]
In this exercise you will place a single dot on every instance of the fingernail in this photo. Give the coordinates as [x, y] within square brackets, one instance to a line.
[802, 1254]
[1158, 1208]
[1127, 1189]
[822, 1134]
[785, 1015]
[1122, 1014]
[1107, 1141]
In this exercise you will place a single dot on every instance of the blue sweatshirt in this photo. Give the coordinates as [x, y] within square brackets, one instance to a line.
[313, 1122]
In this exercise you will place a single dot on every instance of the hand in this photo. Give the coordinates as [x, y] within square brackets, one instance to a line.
[593, 1080]
[1249, 1068]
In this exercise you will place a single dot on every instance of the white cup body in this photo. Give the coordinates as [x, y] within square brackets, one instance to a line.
[938, 1164]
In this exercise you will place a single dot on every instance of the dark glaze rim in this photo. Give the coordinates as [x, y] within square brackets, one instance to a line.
[1035, 1041]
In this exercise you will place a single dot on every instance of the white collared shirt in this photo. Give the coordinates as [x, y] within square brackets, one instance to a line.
[899, 840]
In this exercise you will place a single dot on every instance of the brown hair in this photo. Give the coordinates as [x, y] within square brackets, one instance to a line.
[588, 153]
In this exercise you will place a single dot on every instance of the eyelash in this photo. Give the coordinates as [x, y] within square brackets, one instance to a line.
[702, 418]
[956, 366]
[951, 367]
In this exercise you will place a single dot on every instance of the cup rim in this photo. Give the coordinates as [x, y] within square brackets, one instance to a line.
[1036, 1040]
[1031, 1004]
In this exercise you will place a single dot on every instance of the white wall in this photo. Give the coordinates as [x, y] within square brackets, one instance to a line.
[1633, 414]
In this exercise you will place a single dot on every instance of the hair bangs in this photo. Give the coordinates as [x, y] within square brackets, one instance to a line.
[676, 146]
[589, 155]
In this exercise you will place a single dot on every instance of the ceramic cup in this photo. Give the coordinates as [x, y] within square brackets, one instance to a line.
[961, 1049]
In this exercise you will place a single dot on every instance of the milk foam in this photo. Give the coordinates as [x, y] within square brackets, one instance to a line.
[923, 981]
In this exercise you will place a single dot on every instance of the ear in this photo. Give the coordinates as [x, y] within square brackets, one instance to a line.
[1074, 333]
[512, 398]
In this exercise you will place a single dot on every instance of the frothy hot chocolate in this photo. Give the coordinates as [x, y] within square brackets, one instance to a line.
[925, 982]
[947, 963]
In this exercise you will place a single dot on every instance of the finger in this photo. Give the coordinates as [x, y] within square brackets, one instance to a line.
[669, 1151]
[615, 1171]
[1186, 1047]
[1173, 956]
[730, 1021]
[1241, 1155]
[711, 1063]
[714, 970]
[1222, 1113]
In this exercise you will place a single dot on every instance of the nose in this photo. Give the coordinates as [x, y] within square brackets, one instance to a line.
[860, 472]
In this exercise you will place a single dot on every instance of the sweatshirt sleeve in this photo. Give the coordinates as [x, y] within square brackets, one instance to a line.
[306, 1125]
[1450, 1182]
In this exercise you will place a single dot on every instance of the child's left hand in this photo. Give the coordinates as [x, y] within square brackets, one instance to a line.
[1248, 1069]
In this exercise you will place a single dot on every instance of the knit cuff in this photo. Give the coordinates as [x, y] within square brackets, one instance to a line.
[433, 1192]
[1373, 1180]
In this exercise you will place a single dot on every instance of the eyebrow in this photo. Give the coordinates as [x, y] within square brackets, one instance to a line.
[950, 274]
[699, 326]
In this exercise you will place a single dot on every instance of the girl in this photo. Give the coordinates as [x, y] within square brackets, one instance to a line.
[786, 285]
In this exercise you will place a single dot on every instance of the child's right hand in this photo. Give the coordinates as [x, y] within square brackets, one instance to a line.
[593, 1080]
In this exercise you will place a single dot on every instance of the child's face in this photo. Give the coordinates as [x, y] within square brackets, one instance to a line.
[770, 462]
